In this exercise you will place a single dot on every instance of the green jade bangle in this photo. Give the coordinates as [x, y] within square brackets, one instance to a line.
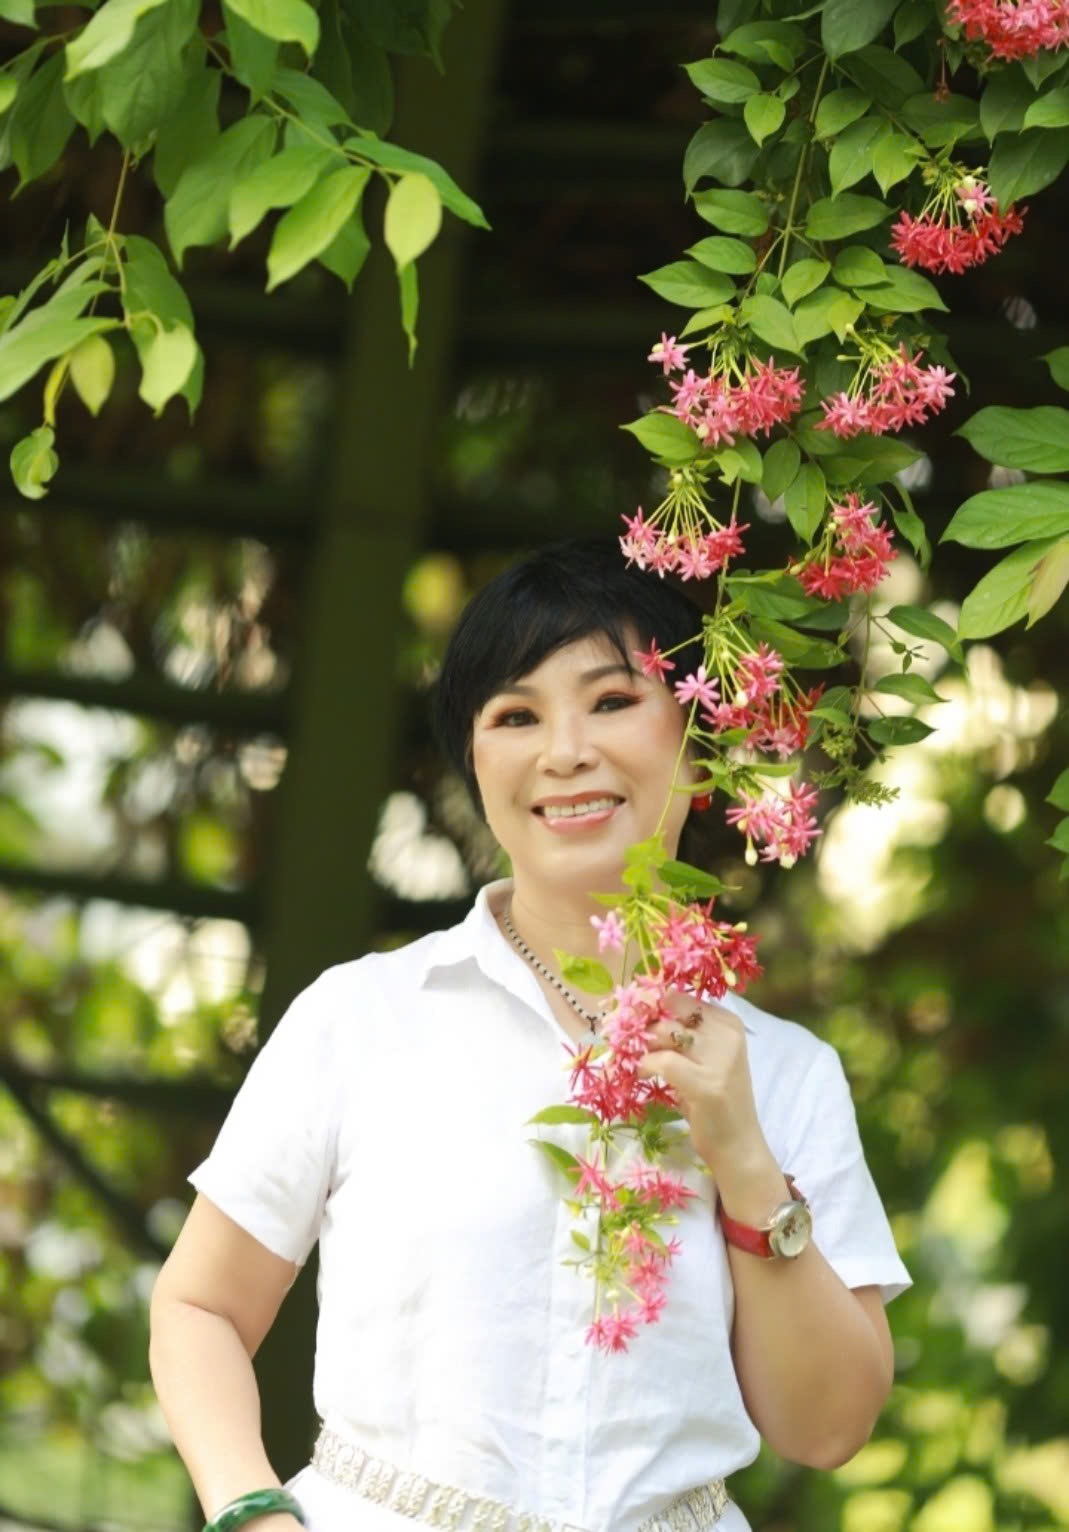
[258, 1502]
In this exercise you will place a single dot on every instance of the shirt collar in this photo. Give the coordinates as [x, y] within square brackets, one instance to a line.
[478, 938]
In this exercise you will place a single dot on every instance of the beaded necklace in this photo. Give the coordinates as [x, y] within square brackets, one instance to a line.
[590, 1017]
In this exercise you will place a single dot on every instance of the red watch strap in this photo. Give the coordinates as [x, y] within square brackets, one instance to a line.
[745, 1237]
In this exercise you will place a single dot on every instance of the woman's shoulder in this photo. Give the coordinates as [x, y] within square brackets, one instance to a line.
[379, 973]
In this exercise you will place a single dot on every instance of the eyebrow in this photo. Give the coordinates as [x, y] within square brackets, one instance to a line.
[587, 676]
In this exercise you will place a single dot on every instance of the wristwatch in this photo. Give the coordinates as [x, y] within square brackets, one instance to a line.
[786, 1234]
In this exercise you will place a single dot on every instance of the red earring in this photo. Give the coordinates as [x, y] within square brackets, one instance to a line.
[701, 801]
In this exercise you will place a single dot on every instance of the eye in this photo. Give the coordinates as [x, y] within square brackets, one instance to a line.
[619, 699]
[518, 712]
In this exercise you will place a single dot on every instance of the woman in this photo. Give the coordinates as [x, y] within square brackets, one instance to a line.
[387, 1116]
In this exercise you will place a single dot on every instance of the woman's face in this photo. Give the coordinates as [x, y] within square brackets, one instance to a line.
[576, 730]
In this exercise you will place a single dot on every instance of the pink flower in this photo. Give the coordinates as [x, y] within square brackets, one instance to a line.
[938, 241]
[669, 353]
[611, 931]
[900, 392]
[653, 662]
[1013, 29]
[698, 685]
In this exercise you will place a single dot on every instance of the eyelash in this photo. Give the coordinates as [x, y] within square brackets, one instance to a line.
[610, 697]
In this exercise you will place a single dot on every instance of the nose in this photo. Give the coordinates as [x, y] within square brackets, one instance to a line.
[566, 746]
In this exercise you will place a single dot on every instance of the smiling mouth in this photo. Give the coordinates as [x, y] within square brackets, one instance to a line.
[587, 808]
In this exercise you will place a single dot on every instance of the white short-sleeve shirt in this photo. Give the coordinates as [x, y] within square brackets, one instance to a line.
[387, 1116]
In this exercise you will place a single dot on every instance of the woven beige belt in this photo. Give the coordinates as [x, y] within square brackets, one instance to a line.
[443, 1505]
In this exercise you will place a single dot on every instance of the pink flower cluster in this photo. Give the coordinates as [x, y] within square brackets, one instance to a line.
[691, 555]
[784, 825]
[773, 722]
[898, 392]
[938, 240]
[717, 409]
[1013, 29]
[696, 955]
[856, 556]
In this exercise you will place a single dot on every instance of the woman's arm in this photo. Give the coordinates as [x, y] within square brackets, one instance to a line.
[213, 1302]
[814, 1357]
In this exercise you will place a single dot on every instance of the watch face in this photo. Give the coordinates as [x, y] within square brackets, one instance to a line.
[792, 1233]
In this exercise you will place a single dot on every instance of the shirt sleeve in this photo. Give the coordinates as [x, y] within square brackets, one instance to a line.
[826, 1160]
[270, 1167]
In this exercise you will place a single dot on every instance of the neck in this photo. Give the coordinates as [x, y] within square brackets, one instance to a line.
[547, 918]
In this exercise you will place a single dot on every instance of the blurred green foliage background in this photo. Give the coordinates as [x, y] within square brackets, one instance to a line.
[139, 825]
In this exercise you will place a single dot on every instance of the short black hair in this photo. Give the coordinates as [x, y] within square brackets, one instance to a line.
[559, 594]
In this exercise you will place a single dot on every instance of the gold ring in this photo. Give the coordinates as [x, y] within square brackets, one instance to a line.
[682, 1040]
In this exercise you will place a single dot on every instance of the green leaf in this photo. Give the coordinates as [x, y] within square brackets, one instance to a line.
[723, 80]
[408, 293]
[287, 21]
[92, 372]
[313, 223]
[191, 130]
[920, 623]
[838, 109]
[690, 881]
[413, 217]
[942, 120]
[707, 319]
[846, 26]
[912, 528]
[690, 284]
[347, 251]
[763, 116]
[1050, 111]
[315, 104]
[40, 122]
[151, 289]
[1060, 841]
[849, 213]
[198, 209]
[903, 292]
[9, 89]
[721, 254]
[999, 518]
[804, 501]
[587, 974]
[1059, 793]
[800, 649]
[108, 31]
[782, 461]
[552, 1115]
[253, 57]
[898, 731]
[857, 266]
[771, 322]
[85, 102]
[34, 463]
[742, 461]
[826, 311]
[278, 182]
[51, 330]
[735, 212]
[894, 157]
[912, 687]
[375, 151]
[851, 156]
[722, 149]
[559, 1157]
[884, 75]
[1058, 362]
[666, 438]
[803, 277]
[1005, 101]
[1001, 597]
[1048, 582]
[167, 361]
[19, 12]
[1023, 163]
[766, 42]
[142, 86]
[911, 20]
[1035, 439]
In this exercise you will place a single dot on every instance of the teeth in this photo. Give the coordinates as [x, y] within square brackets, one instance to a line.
[568, 810]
